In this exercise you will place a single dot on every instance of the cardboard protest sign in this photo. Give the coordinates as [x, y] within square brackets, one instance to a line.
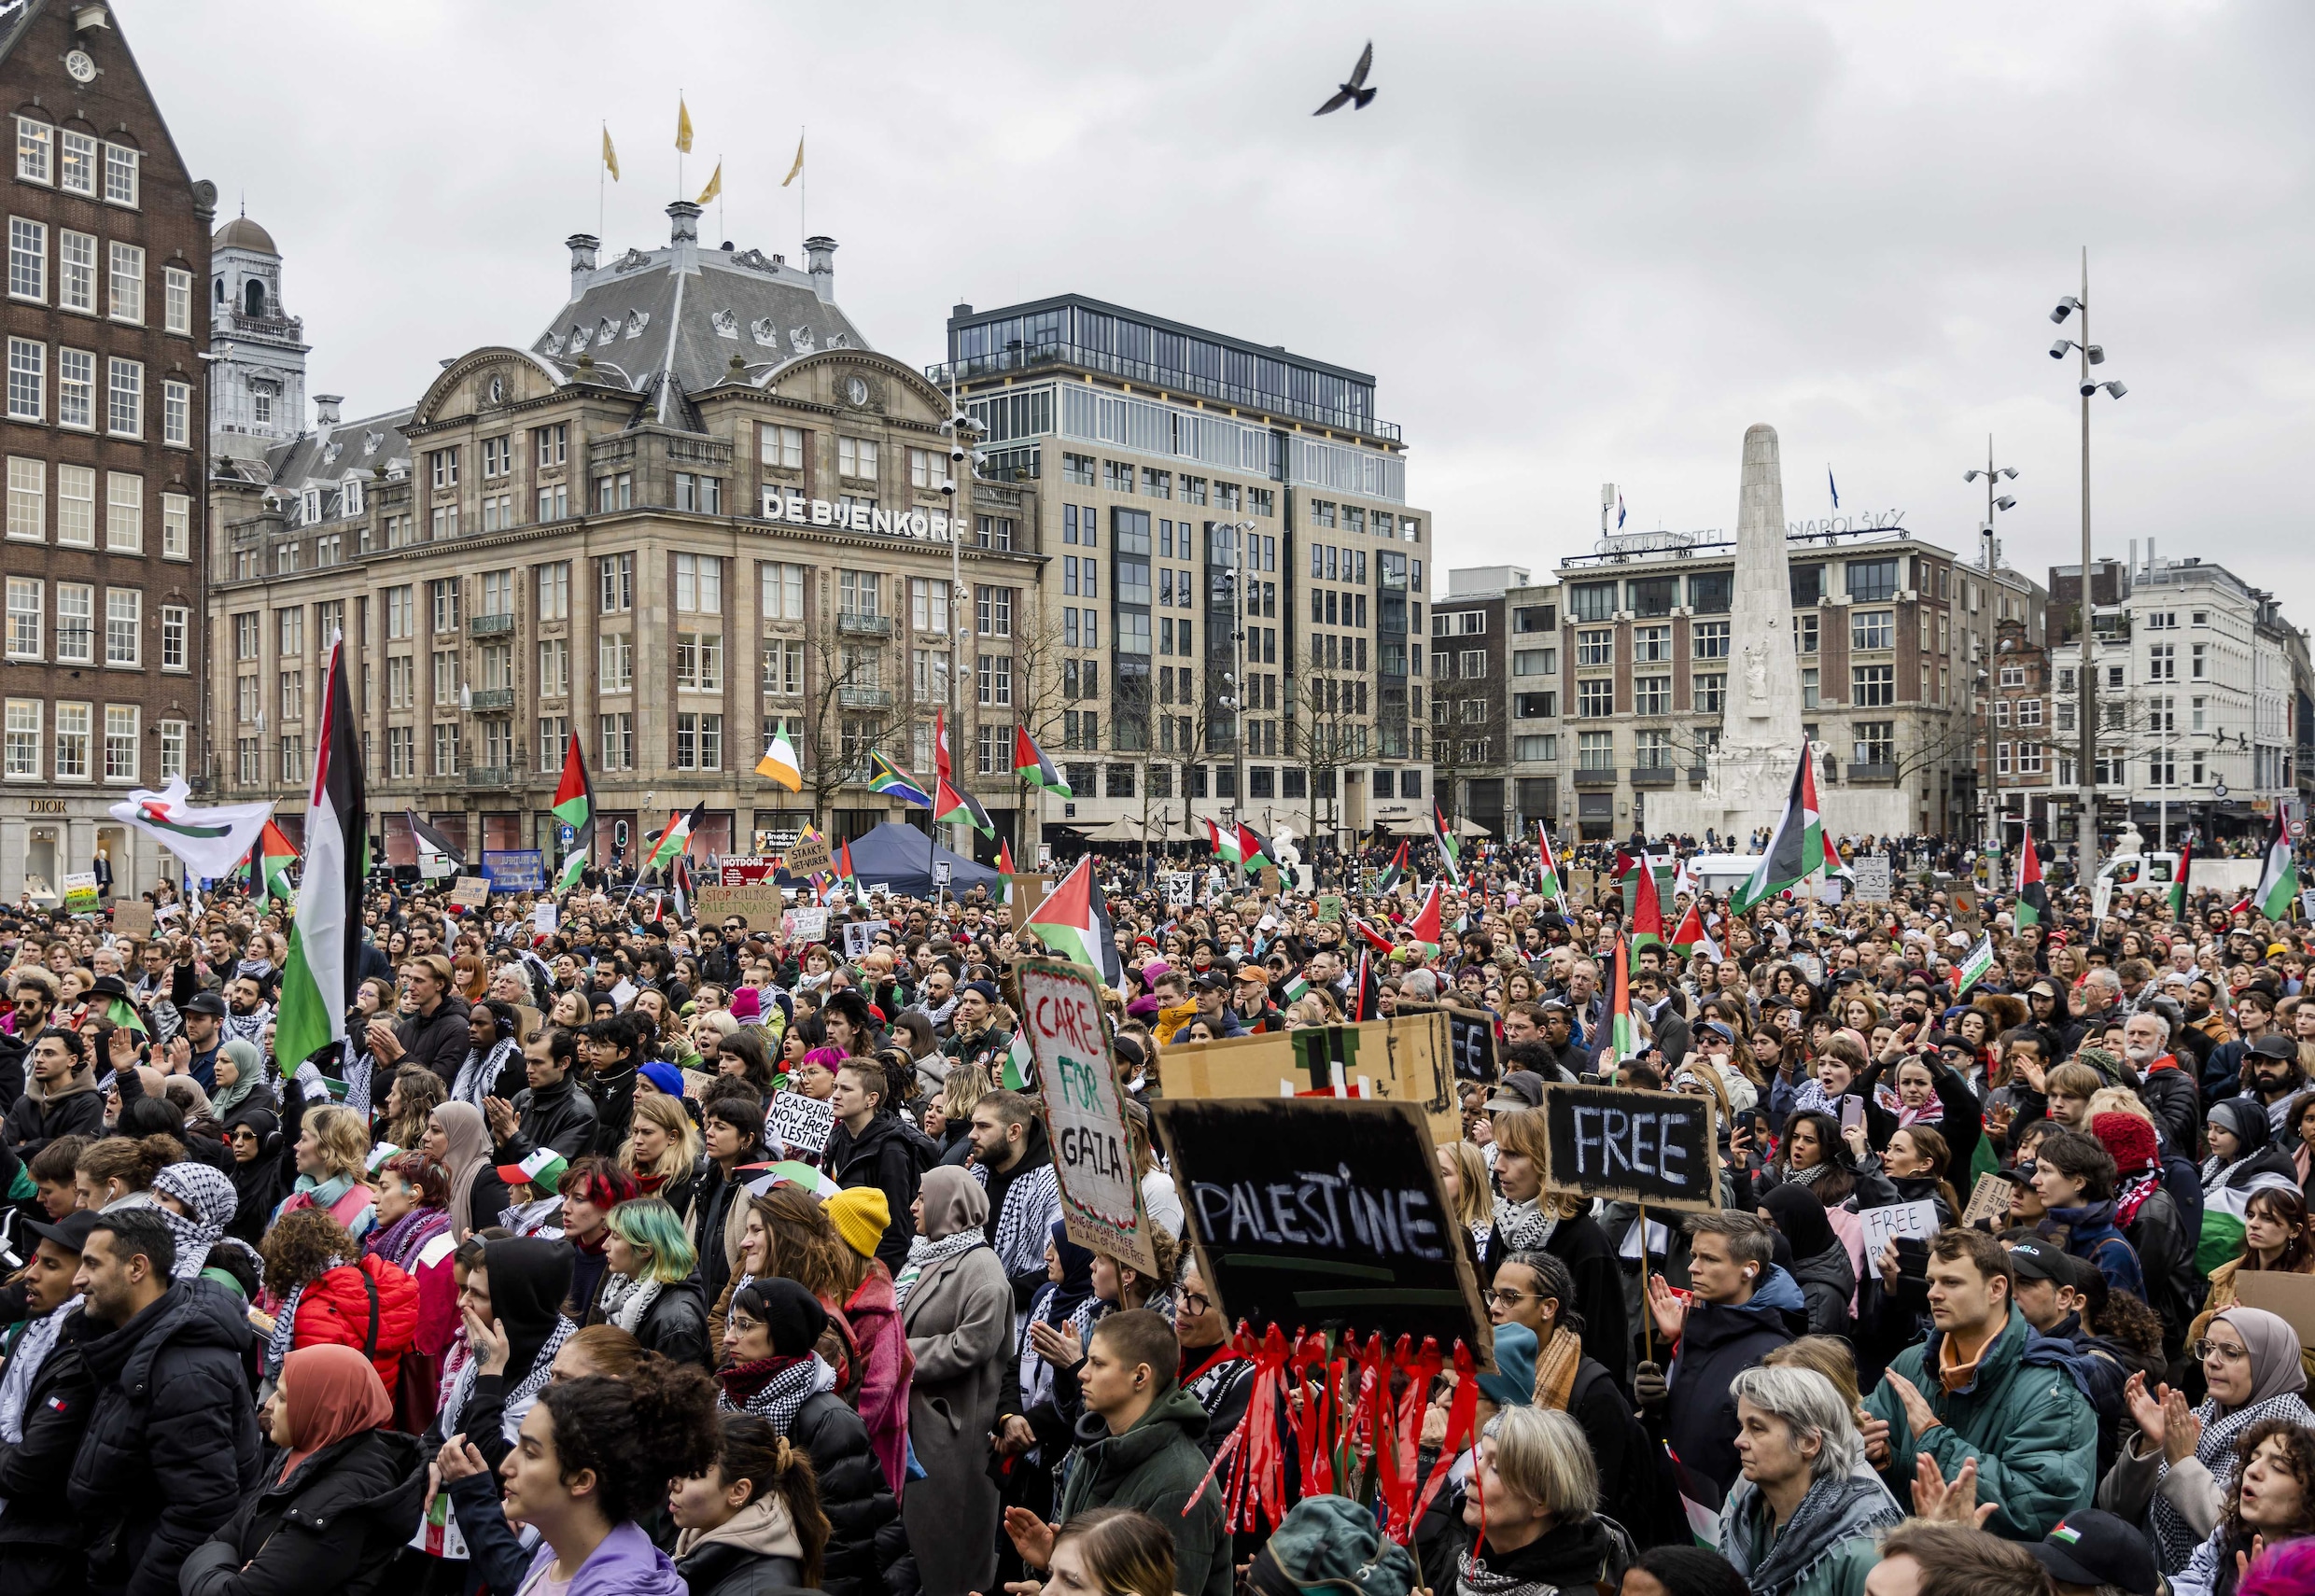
[132, 917]
[470, 891]
[809, 857]
[1988, 1200]
[1656, 1148]
[802, 1124]
[1872, 875]
[2280, 1292]
[1330, 909]
[804, 925]
[760, 905]
[696, 1084]
[860, 935]
[1028, 895]
[1914, 1221]
[1407, 1058]
[1268, 877]
[80, 893]
[1084, 1112]
[1313, 1213]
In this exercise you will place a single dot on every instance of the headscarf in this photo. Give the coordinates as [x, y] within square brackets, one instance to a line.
[186, 1092]
[955, 1209]
[2247, 1118]
[529, 1280]
[250, 1064]
[330, 1392]
[258, 1182]
[211, 1195]
[466, 1153]
[2277, 1380]
[1801, 1218]
[1076, 1283]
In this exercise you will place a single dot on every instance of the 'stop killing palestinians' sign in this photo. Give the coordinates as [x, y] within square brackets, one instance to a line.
[1633, 1146]
[1084, 1114]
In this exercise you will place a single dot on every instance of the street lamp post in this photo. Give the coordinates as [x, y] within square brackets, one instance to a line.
[2091, 355]
[1235, 679]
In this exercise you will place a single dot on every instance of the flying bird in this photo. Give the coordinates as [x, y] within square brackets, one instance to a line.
[1353, 93]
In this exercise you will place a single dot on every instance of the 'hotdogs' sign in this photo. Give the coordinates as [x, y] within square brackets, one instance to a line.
[1634, 1146]
[1084, 1112]
[1313, 1214]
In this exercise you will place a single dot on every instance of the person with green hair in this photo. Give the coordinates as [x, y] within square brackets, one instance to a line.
[648, 1287]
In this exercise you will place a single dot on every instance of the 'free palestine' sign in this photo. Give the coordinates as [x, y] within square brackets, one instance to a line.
[1632, 1146]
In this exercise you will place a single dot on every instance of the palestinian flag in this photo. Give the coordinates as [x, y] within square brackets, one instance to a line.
[950, 804]
[2032, 907]
[2224, 1208]
[1692, 936]
[574, 806]
[940, 745]
[2278, 882]
[270, 862]
[1020, 1069]
[1449, 854]
[1030, 766]
[2178, 882]
[893, 782]
[1388, 881]
[1423, 932]
[1796, 849]
[1623, 1036]
[1110, 962]
[1367, 997]
[1647, 910]
[1298, 988]
[325, 934]
[1548, 872]
[1253, 849]
[686, 891]
[1225, 848]
[1974, 964]
[1074, 923]
[1381, 944]
[1005, 873]
[675, 838]
[842, 864]
[779, 764]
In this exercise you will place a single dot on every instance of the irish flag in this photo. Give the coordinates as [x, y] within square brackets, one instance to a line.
[574, 806]
[317, 981]
[2279, 883]
[2033, 901]
[1388, 881]
[1647, 909]
[1448, 855]
[275, 854]
[779, 762]
[1074, 923]
[1424, 932]
[1796, 849]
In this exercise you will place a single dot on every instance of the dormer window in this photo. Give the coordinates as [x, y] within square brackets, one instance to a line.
[313, 505]
[352, 504]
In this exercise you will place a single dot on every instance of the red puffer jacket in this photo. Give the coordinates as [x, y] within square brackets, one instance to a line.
[337, 1310]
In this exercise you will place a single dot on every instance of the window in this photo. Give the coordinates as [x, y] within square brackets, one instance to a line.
[72, 742]
[860, 593]
[445, 748]
[442, 595]
[614, 492]
[35, 142]
[2162, 662]
[1651, 694]
[76, 163]
[172, 750]
[994, 677]
[782, 447]
[614, 663]
[555, 591]
[328, 621]
[1651, 645]
[76, 389]
[28, 371]
[76, 272]
[1872, 629]
[1870, 581]
[699, 662]
[698, 585]
[28, 500]
[2029, 711]
[1591, 601]
[1472, 664]
[929, 675]
[1653, 596]
[124, 413]
[177, 430]
[1595, 750]
[1875, 742]
[783, 667]
[1808, 687]
[176, 628]
[703, 496]
[782, 590]
[444, 464]
[2030, 760]
[124, 626]
[2162, 766]
[1710, 640]
[127, 282]
[1534, 662]
[498, 592]
[445, 519]
[124, 513]
[1596, 647]
[177, 300]
[553, 443]
[1078, 469]
[402, 612]
[928, 468]
[698, 741]
[26, 617]
[2200, 660]
[446, 679]
[28, 259]
[1596, 698]
[292, 688]
[401, 683]
[615, 578]
[248, 628]
[1711, 694]
[1873, 687]
[992, 531]
[856, 458]
[76, 622]
[992, 609]
[554, 667]
[120, 163]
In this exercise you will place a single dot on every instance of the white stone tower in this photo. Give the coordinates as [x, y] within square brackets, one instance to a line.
[256, 376]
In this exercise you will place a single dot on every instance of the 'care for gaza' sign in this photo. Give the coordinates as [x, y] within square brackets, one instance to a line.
[1084, 1114]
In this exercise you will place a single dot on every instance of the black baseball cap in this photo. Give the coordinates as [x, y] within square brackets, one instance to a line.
[205, 1004]
[2095, 1547]
[2040, 1261]
[70, 1232]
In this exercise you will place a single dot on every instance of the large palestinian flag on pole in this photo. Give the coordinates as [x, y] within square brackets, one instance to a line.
[675, 838]
[1548, 872]
[2033, 900]
[2278, 882]
[325, 934]
[1449, 854]
[1692, 936]
[1074, 922]
[2178, 882]
[574, 806]
[1030, 766]
[1796, 849]
[1647, 925]
[950, 804]
[1624, 1040]
[1225, 846]
[271, 861]
[1388, 881]
[1424, 932]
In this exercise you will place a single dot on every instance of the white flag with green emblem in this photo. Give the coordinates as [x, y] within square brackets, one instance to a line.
[1973, 967]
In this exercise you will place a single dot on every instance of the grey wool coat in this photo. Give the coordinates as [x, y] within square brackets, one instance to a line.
[958, 1318]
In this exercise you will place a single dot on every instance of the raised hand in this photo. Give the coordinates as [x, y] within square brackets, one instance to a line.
[2146, 1410]
[2181, 1429]
[1939, 1503]
[1670, 1311]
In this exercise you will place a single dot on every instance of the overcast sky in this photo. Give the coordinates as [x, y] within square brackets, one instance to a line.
[1574, 245]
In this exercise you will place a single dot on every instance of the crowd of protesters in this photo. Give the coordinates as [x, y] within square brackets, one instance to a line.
[518, 1291]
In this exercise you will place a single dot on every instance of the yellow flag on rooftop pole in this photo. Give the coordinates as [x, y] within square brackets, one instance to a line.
[683, 125]
[794, 171]
[611, 156]
[715, 184]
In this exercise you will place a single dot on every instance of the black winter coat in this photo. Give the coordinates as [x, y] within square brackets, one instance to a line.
[720, 1569]
[867, 1544]
[886, 1157]
[560, 1116]
[171, 1446]
[338, 1523]
[33, 1472]
[2170, 1095]
[2167, 1260]
[1719, 1343]
[614, 1099]
[36, 1122]
[1827, 1280]
[1583, 1247]
[675, 1325]
[438, 1041]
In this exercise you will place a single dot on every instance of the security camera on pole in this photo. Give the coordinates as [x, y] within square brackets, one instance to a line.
[2091, 355]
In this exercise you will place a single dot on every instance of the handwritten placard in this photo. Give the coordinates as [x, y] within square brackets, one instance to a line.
[1656, 1148]
[470, 891]
[800, 1124]
[1330, 909]
[760, 905]
[1913, 1221]
[809, 857]
[804, 925]
[134, 917]
[1084, 1110]
[1988, 1200]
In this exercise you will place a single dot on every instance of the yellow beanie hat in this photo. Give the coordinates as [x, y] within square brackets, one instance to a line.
[860, 1215]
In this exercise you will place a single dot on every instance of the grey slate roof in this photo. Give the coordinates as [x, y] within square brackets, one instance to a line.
[326, 457]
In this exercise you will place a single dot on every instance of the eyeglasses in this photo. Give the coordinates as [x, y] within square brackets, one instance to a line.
[1508, 1298]
[1195, 1303]
[2206, 1350]
[738, 1325]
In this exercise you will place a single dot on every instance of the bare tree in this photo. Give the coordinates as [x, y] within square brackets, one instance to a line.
[1468, 726]
[1329, 729]
[846, 703]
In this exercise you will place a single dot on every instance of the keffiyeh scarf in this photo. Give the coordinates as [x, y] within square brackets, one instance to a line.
[278, 1345]
[774, 1388]
[458, 1376]
[2132, 1195]
[626, 1301]
[1031, 1205]
[2175, 1540]
[1524, 1226]
[932, 1255]
[481, 1071]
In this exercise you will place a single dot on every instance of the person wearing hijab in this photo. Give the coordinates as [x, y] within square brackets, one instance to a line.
[2173, 1478]
[254, 1140]
[340, 1495]
[1820, 1263]
[1033, 1432]
[197, 1202]
[241, 1080]
[957, 1308]
[459, 1138]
